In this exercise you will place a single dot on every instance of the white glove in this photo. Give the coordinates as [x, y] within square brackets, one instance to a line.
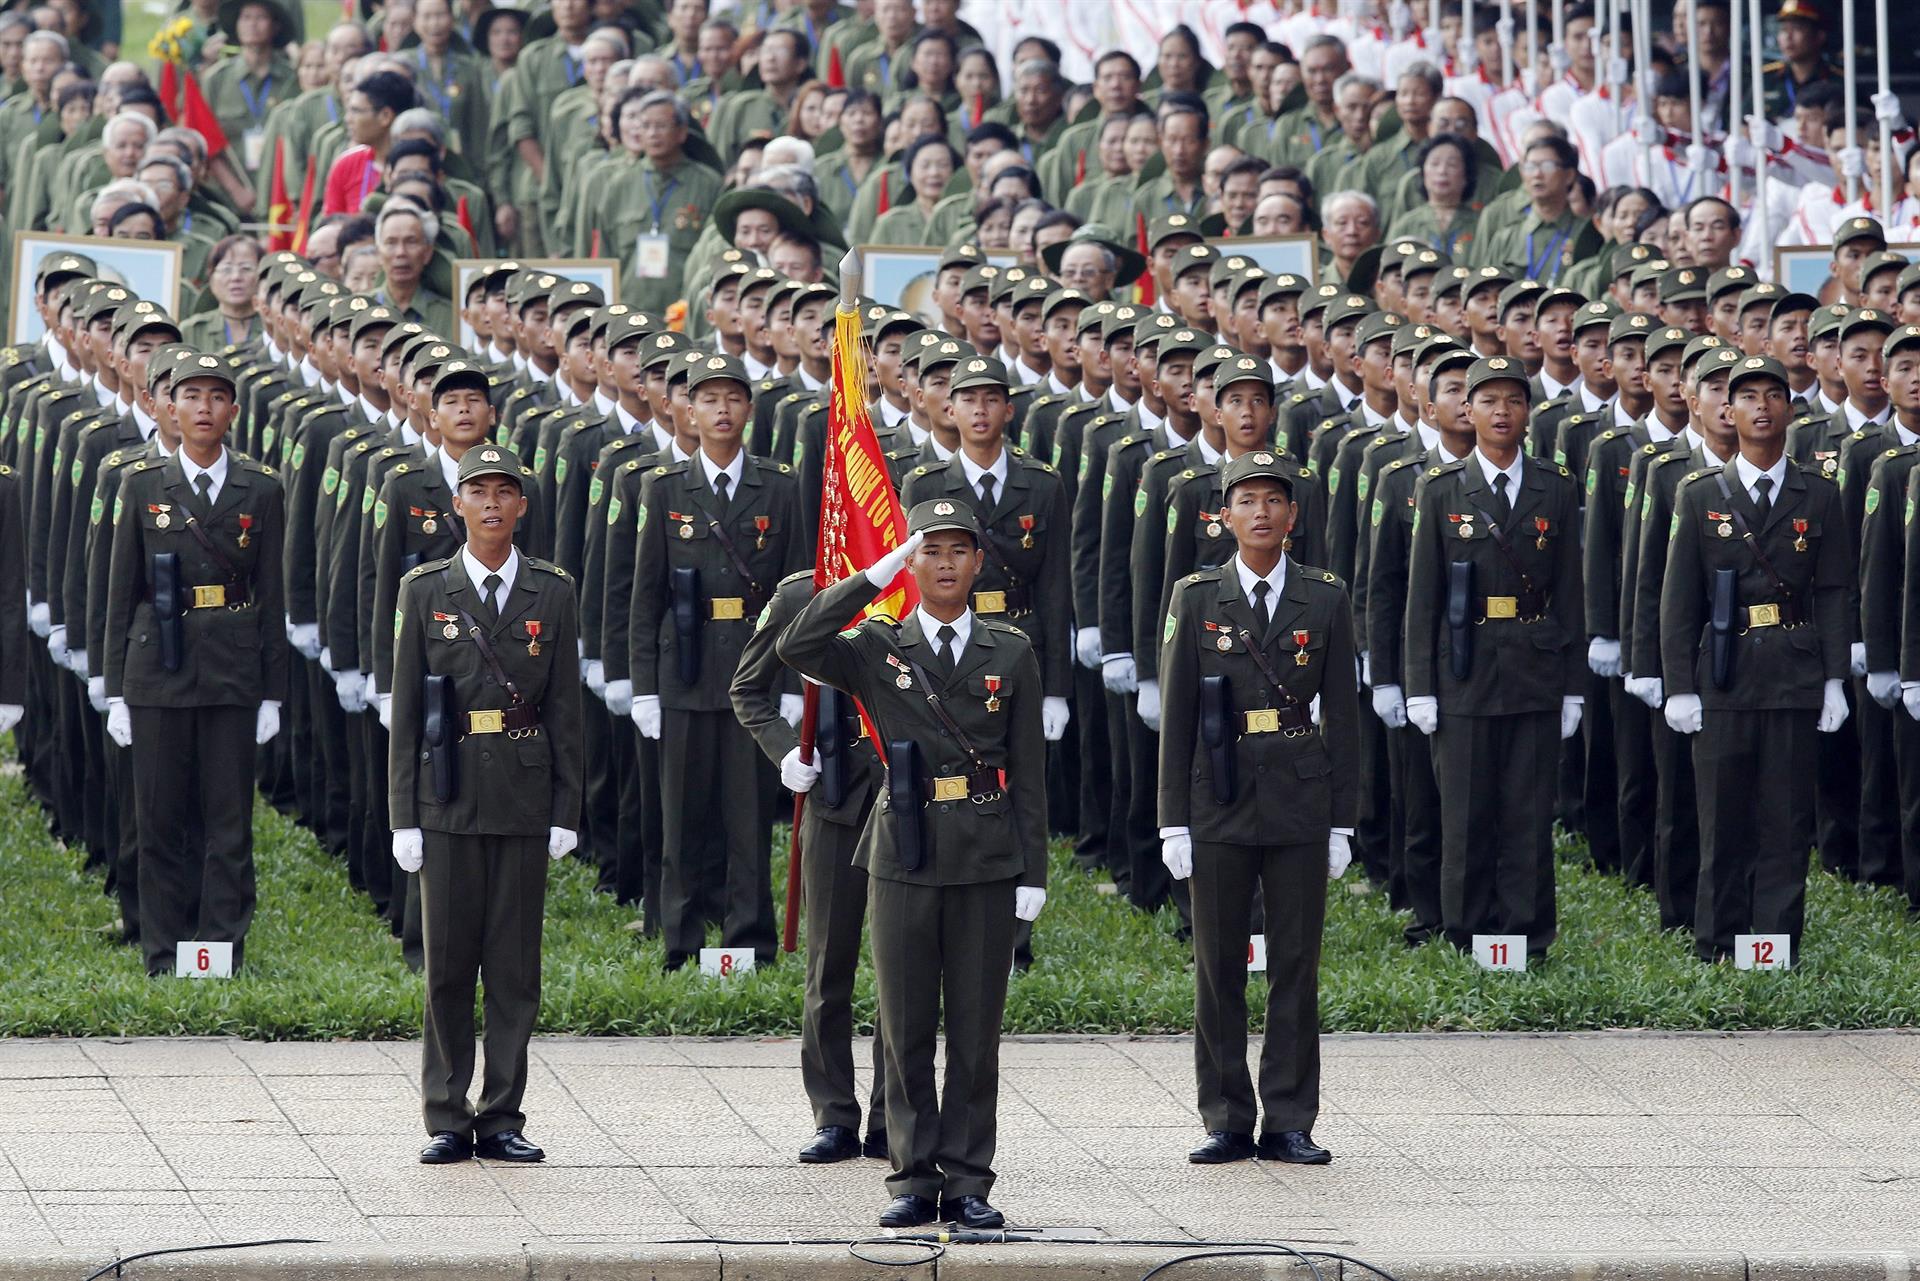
[1086, 647]
[1852, 162]
[1650, 690]
[888, 567]
[1027, 902]
[1054, 715]
[646, 715]
[1699, 158]
[1570, 709]
[305, 637]
[1884, 688]
[1910, 699]
[351, 689]
[1857, 659]
[1147, 704]
[1118, 674]
[1765, 133]
[618, 697]
[1886, 109]
[10, 714]
[796, 775]
[1742, 154]
[97, 692]
[1603, 657]
[1176, 851]
[1339, 855]
[1833, 706]
[1619, 70]
[1684, 715]
[119, 722]
[1390, 705]
[1363, 668]
[1557, 56]
[385, 711]
[77, 662]
[326, 660]
[792, 708]
[40, 619]
[57, 645]
[1423, 713]
[409, 848]
[596, 677]
[266, 722]
[561, 842]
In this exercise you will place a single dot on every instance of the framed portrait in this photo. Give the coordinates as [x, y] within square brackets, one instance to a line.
[604, 272]
[1299, 254]
[903, 276]
[149, 268]
[1806, 268]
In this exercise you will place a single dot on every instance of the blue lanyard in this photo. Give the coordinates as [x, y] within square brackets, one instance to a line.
[333, 110]
[1535, 267]
[659, 202]
[576, 68]
[1313, 131]
[846, 176]
[685, 69]
[886, 68]
[257, 104]
[442, 92]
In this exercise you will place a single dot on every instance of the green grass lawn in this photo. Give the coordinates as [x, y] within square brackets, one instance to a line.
[319, 965]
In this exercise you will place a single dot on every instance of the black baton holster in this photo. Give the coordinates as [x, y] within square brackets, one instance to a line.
[684, 589]
[1720, 622]
[830, 747]
[1460, 617]
[169, 608]
[1216, 731]
[440, 731]
[905, 799]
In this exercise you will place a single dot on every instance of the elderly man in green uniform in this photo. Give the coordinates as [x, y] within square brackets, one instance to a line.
[652, 210]
[955, 850]
[1753, 634]
[244, 90]
[1259, 756]
[196, 665]
[1548, 237]
[762, 112]
[1493, 614]
[484, 788]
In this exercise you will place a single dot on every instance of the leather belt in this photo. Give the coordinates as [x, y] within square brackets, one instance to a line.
[979, 786]
[1777, 614]
[515, 722]
[1526, 608]
[217, 596]
[1291, 721]
[727, 608]
[1013, 602]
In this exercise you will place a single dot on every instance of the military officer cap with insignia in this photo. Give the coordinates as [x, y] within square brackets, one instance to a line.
[949, 351]
[1432, 348]
[57, 267]
[919, 344]
[1241, 369]
[893, 321]
[681, 364]
[428, 359]
[1495, 369]
[567, 293]
[1596, 314]
[660, 347]
[937, 514]
[1558, 295]
[529, 286]
[101, 301]
[1864, 318]
[1181, 341]
[1455, 356]
[1151, 327]
[1904, 336]
[1727, 279]
[1622, 259]
[1628, 325]
[1244, 279]
[979, 371]
[1409, 337]
[344, 310]
[142, 317]
[1908, 279]
[1213, 357]
[1715, 360]
[203, 367]
[1665, 337]
[759, 278]
[964, 256]
[1032, 289]
[489, 460]
[1170, 226]
[1118, 321]
[405, 331]
[1065, 296]
[575, 319]
[1516, 292]
[1009, 279]
[1260, 464]
[1648, 273]
[1885, 260]
[1852, 229]
[1790, 300]
[454, 373]
[1698, 345]
[496, 276]
[1424, 262]
[1761, 292]
[1683, 284]
[1373, 326]
[979, 279]
[717, 369]
[1283, 284]
[1093, 318]
[1348, 306]
[603, 318]
[370, 318]
[1827, 319]
[1319, 298]
[1226, 265]
[1488, 277]
[1199, 257]
[165, 359]
[1759, 367]
[1451, 280]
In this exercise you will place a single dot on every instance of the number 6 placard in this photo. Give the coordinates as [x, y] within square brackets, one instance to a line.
[194, 960]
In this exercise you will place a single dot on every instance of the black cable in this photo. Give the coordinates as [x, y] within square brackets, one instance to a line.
[1347, 1258]
[1283, 1250]
[117, 1264]
[935, 1247]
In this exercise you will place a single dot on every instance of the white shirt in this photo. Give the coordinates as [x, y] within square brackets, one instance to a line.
[1906, 437]
[663, 439]
[890, 418]
[962, 629]
[975, 471]
[1556, 389]
[1820, 399]
[1276, 581]
[628, 423]
[1429, 436]
[940, 451]
[538, 375]
[1488, 470]
[1027, 375]
[567, 397]
[520, 363]
[1621, 418]
[144, 423]
[450, 468]
[732, 470]
[755, 370]
[1372, 420]
[1120, 404]
[1697, 444]
[1059, 388]
[218, 472]
[408, 436]
[1589, 402]
[1208, 454]
[1149, 421]
[1857, 417]
[309, 372]
[478, 573]
[604, 405]
[1750, 476]
[101, 396]
[347, 398]
[807, 380]
[1313, 381]
[1349, 396]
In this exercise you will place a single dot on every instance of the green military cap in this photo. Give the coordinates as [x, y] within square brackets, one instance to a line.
[1161, 230]
[1423, 261]
[575, 293]
[1761, 367]
[1454, 356]
[814, 291]
[457, 373]
[427, 358]
[1761, 292]
[1003, 284]
[1120, 320]
[316, 303]
[1227, 265]
[1648, 272]
[1261, 464]
[496, 275]
[128, 312]
[1346, 307]
[938, 514]
[1791, 300]
[783, 293]
[1599, 313]
[872, 312]
[1439, 345]
[1852, 229]
[1200, 257]
[1215, 355]
[1904, 336]
[1376, 325]
[1515, 292]
[279, 260]
[980, 276]
[1629, 325]
[1728, 278]
[681, 365]
[1095, 316]
[1034, 289]
[1246, 278]
[57, 265]
[1714, 360]
[1065, 296]
[374, 317]
[344, 310]
[964, 255]
[1826, 320]
[919, 344]
[631, 327]
[1451, 280]
[980, 371]
[1683, 284]
[1659, 340]
[1284, 284]
[1908, 279]
[1319, 298]
[164, 359]
[142, 317]
[894, 322]
[603, 317]
[204, 366]
[1400, 250]
[1885, 260]
[1622, 259]
[112, 298]
[949, 351]
[405, 331]
[1698, 345]
[529, 286]
[759, 278]
[1181, 341]
[660, 347]
[488, 460]
[717, 369]
[734, 270]
[1485, 278]
[296, 287]
[1152, 326]
[576, 319]
[1128, 261]
[1864, 318]
[1558, 295]
[1494, 369]
[1242, 368]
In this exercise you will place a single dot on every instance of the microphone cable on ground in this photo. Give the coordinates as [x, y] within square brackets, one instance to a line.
[114, 1267]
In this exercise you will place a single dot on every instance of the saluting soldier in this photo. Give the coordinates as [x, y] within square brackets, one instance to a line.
[1259, 767]
[485, 765]
[955, 849]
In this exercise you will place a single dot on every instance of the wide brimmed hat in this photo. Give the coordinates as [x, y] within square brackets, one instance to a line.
[1128, 264]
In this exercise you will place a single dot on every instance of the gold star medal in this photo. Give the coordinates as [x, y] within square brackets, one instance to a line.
[993, 693]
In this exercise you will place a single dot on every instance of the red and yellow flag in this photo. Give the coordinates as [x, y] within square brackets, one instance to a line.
[860, 516]
[279, 203]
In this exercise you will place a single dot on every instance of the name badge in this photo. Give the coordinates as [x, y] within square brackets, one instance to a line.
[253, 146]
[652, 256]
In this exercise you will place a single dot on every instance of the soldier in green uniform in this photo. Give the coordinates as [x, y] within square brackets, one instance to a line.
[1548, 237]
[1259, 756]
[484, 788]
[762, 112]
[655, 200]
[1803, 61]
[1496, 550]
[196, 665]
[955, 849]
[1753, 636]
[243, 90]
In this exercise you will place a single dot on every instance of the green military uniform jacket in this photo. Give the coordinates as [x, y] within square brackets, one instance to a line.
[243, 102]
[638, 199]
[1533, 247]
[1883, 556]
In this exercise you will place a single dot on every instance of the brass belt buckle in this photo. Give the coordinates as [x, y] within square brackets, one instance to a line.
[1503, 607]
[952, 787]
[212, 597]
[989, 602]
[727, 608]
[486, 722]
[1763, 616]
[1263, 720]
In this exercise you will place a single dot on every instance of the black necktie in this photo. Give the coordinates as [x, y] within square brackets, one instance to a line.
[1502, 505]
[986, 488]
[1262, 607]
[944, 642]
[1762, 500]
[721, 481]
[203, 485]
[490, 596]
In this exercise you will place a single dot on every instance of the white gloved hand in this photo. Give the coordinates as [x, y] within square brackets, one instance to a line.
[1027, 902]
[385, 711]
[10, 714]
[561, 841]
[1910, 699]
[1147, 704]
[1086, 647]
[1571, 708]
[119, 722]
[1557, 56]
[1857, 659]
[1886, 109]
[1650, 690]
[77, 662]
[1176, 851]
[1684, 715]
[1764, 133]
[409, 848]
[1118, 674]
[1742, 154]
[305, 637]
[888, 567]
[1619, 70]
[266, 722]
[1884, 688]
[1363, 668]
[57, 645]
[1054, 715]
[792, 708]
[646, 715]
[1851, 162]
[97, 692]
[1603, 657]
[1339, 855]
[40, 619]
[351, 689]
[796, 775]
[1423, 713]
[596, 677]
[1833, 706]
[1699, 158]
[619, 697]
[1390, 705]
[326, 660]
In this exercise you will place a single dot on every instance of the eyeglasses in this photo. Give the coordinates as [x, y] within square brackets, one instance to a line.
[1532, 167]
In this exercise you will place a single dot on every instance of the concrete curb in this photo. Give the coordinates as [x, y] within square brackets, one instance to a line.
[1094, 1262]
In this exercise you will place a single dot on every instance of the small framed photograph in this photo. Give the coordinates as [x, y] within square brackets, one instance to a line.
[1807, 269]
[604, 272]
[149, 268]
[903, 276]
[1299, 255]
